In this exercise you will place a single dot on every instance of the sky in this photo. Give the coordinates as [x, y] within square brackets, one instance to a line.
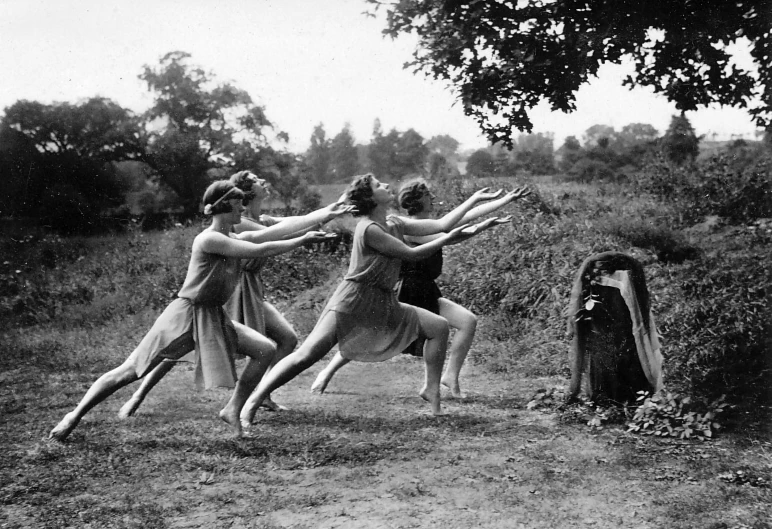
[306, 61]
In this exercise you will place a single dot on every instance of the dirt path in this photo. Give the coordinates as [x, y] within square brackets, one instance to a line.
[367, 454]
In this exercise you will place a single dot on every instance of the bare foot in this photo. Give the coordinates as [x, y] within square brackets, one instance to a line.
[128, 409]
[246, 428]
[320, 384]
[270, 405]
[433, 398]
[232, 419]
[63, 429]
[455, 389]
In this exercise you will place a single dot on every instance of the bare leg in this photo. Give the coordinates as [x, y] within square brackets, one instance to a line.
[319, 342]
[435, 329]
[466, 324]
[105, 386]
[260, 351]
[324, 377]
[278, 329]
[148, 383]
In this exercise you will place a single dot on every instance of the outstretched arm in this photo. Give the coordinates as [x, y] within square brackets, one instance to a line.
[379, 240]
[294, 226]
[217, 243]
[493, 205]
[450, 220]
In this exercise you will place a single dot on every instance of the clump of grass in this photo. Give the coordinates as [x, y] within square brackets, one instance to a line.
[669, 246]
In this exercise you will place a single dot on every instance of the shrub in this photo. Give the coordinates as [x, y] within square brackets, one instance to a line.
[667, 414]
[588, 170]
[669, 246]
[718, 330]
[723, 186]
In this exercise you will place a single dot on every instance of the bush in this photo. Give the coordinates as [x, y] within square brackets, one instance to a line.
[669, 246]
[734, 189]
[667, 414]
[718, 330]
[588, 170]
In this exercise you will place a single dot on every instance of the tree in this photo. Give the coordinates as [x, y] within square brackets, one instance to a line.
[481, 164]
[636, 133]
[570, 153]
[535, 153]
[410, 155]
[596, 133]
[504, 58]
[383, 151]
[318, 157]
[97, 128]
[680, 144]
[197, 120]
[345, 159]
[443, 144]
[289, 181]
[55, 159]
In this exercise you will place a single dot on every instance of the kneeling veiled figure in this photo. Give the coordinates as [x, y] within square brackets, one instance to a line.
[615, 344]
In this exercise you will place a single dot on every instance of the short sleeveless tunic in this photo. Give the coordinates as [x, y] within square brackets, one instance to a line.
[417, 287]
[246, 304]
[372, 325]
[196, 321]
[417, 282]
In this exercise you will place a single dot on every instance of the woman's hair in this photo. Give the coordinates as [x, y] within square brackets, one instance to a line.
[244, 180]
[360, 194]
[218, 194]
[410, 195]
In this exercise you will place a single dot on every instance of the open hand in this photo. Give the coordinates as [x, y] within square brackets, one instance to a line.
[485, 194]
[484, 225]
[461, 233]
[339, 208]
[518, 192]
[317, 236]
[503, 220]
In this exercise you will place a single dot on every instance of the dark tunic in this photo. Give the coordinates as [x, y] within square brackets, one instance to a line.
[418, 288]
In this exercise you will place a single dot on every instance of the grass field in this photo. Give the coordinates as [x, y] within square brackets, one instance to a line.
[366, 454]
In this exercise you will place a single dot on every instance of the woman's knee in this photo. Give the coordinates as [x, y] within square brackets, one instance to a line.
[459, 317]
[288, 340]
[469, 323]
[436, 327]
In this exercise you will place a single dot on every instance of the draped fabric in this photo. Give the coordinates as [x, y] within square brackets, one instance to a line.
[372, 325]
[246, 304]
[644, 330]
[196, 321]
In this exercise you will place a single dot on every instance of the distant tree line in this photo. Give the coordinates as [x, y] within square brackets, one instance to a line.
[74, 166]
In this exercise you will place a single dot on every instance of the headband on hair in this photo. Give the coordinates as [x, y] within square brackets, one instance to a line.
[208, 207]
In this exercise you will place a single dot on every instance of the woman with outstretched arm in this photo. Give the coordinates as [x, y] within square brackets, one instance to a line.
[196, 321]
[363, 315]
[248, 305]
[418, 286]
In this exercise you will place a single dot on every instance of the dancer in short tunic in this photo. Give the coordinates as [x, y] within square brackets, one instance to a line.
[372, 325]
[418, 287]
[247, 305]
[196, 319]
[363, 315]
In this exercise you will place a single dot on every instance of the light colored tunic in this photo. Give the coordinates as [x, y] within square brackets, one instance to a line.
[372, 325]
[196, 321]
[246, 304]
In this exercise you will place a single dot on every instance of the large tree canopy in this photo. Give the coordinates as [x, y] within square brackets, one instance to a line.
[198, 120]
[96, 128]
[505, 56]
